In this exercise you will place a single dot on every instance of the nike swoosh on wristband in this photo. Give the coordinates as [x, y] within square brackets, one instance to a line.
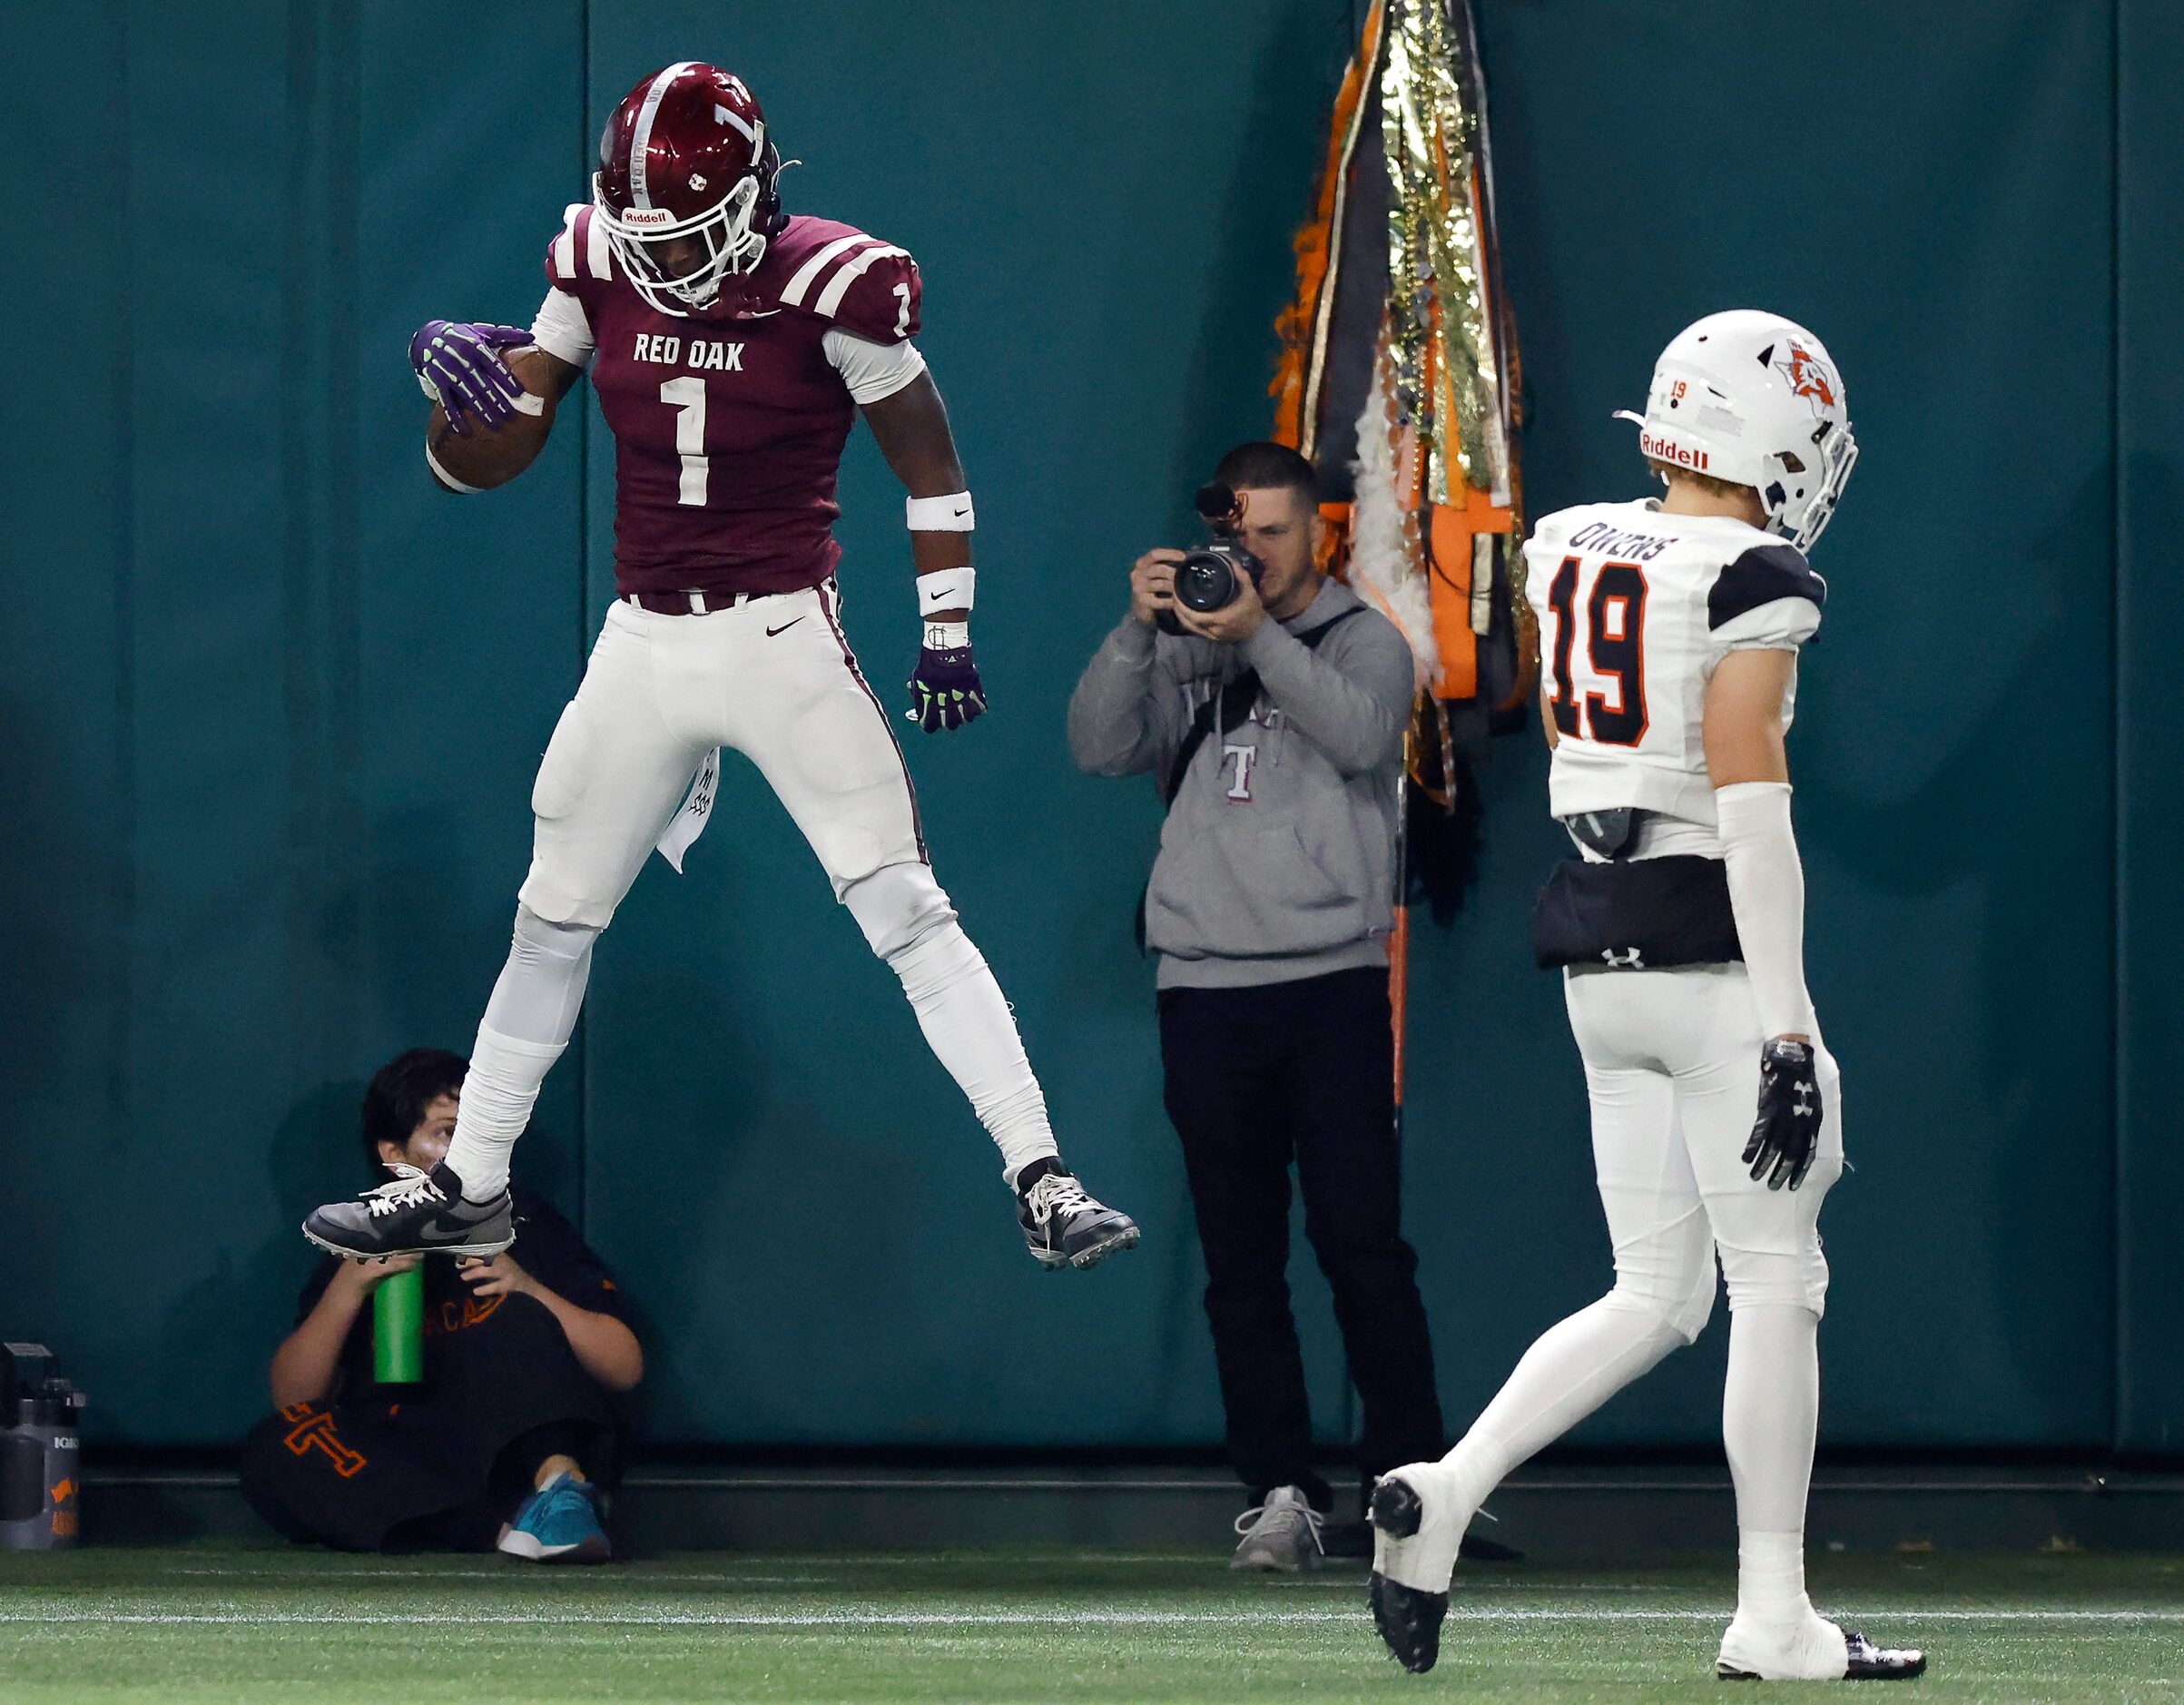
[784, 627]
[934, 598]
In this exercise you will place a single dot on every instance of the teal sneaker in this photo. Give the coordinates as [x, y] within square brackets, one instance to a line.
[559, 1523]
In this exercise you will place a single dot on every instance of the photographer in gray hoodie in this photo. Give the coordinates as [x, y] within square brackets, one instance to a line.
[1273, 727]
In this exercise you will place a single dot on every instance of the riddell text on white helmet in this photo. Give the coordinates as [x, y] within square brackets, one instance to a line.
[1667, 450]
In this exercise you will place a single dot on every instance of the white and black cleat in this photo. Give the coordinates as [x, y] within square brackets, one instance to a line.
[1869, 1662]
[1396, 1509]
[1408, 1618]
[420, 1213]
[1863, 1661]
[1063, 1225]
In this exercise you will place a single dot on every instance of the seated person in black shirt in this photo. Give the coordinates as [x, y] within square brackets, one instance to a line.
[511, 1431]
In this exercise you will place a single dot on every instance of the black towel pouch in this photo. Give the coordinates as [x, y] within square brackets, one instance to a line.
[1636, 914]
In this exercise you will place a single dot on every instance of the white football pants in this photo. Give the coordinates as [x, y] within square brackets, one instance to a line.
[774, 679]
[1672, 1069]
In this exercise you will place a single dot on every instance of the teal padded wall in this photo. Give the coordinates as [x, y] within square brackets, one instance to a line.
[265, 743]
[2149, 909]
[270, 739]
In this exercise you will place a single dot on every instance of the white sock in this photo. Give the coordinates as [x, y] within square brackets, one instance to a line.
[1769, 1419]
[498, 1093]
[1770, 1578]
[1571, 1369]
[908, 922]
[527, 1025]
[971, 1031]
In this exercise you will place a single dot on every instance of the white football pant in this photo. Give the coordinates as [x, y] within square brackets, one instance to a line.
[774, 679]
[1672, 1071]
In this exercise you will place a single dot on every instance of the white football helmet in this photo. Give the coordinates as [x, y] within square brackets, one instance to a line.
[1753, 398]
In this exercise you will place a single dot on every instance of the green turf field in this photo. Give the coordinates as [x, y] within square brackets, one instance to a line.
[230, 1624]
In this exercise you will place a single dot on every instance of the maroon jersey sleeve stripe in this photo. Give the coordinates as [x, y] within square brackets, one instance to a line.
[874, 294]
[829, 300]
[795, 292]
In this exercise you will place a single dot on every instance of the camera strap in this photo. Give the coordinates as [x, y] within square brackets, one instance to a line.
[1228, 708]
[1232, 703]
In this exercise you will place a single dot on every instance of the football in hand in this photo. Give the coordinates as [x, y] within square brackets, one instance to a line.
[486, 457]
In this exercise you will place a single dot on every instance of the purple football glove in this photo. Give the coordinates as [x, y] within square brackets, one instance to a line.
[945, 692]
[461, 367]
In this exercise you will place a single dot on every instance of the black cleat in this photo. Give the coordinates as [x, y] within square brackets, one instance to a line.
[1063, 1225]
[1868, 1662]
[1396, 1509]
[1409, 1622]
[421, 1212]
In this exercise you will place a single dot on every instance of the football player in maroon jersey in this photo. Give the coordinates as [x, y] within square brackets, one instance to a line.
[731, 345]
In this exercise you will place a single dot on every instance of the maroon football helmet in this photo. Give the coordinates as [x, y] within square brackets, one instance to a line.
[686, 155]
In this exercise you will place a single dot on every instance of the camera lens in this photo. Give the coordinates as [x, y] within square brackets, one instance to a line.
[1204, 581]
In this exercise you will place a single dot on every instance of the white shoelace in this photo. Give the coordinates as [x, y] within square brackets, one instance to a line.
[411, 1187]
[1252, 1519]
[1056, 1192]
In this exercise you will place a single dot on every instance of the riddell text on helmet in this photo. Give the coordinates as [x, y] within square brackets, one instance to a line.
[1666, 451]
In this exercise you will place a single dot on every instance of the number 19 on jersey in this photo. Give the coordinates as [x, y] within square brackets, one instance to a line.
[1603, 697]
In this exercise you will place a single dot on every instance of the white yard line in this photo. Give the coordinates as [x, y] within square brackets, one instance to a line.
[514, 1574]
[65, 1614]
[1330, 1580]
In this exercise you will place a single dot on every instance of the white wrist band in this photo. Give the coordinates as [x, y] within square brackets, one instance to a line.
[946, 589]
[1766, 894]
[951, 514]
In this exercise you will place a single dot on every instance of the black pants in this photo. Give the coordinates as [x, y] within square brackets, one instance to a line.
[438, 1467]
[1257, 1078]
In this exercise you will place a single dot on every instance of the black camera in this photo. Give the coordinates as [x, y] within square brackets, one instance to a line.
[1206, 579]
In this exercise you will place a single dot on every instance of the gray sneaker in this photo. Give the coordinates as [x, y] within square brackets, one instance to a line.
[421, 1212]
[1282, 1533]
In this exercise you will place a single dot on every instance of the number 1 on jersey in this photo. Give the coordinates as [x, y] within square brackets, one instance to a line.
[686, 397]
[1615, 651]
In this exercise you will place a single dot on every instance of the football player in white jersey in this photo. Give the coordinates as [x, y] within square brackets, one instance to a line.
[1669, 633]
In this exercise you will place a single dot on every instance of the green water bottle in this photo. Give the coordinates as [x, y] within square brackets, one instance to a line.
[398, 1328]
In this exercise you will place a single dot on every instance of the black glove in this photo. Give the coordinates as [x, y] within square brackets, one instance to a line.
[945, 692]
[1786, 1134]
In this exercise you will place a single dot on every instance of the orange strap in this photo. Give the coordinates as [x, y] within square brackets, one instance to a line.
[1450, 532]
